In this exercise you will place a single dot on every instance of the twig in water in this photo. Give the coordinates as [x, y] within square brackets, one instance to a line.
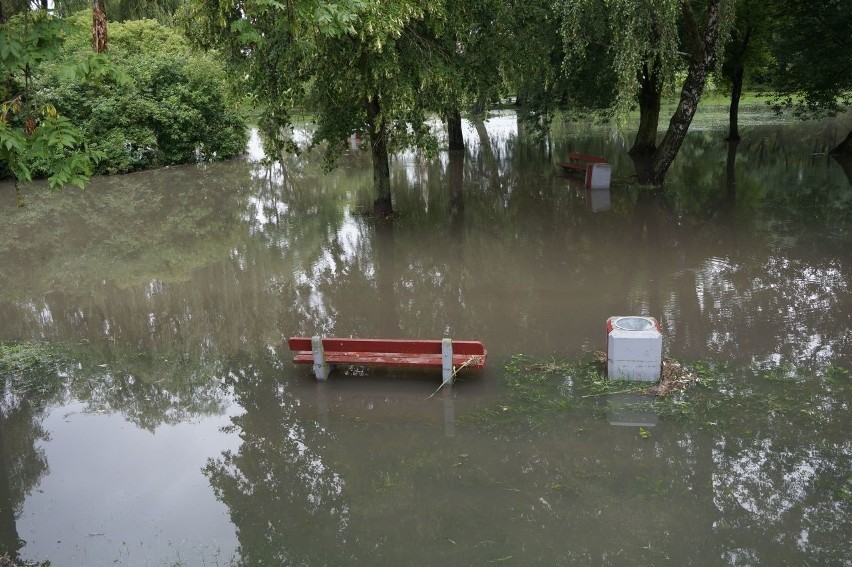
[469, 361]
[628, 391]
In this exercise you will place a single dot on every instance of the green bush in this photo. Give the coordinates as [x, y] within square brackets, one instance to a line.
[171, 107]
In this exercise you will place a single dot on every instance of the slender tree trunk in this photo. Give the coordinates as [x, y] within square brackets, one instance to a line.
[454, 130]
[99, 27]
[382, 206]
[733, 114]
[650, 95]
[737, 88]
[703, 51]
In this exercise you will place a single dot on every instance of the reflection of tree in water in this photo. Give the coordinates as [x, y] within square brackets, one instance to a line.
[759, 486]
[148, 390]
[784, 488]
[765, 487]
[25, 395]
[284, 497]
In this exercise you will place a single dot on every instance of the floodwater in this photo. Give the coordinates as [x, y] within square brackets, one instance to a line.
[176, 431]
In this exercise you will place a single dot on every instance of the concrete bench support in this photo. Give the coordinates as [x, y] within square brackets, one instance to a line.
[320, 365]
[447, 361]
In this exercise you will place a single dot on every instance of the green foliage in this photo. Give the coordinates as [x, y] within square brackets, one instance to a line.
[751, 37]
[813, 51]
[174, 110]
[632, 33]
[125, 10]
[34, 138]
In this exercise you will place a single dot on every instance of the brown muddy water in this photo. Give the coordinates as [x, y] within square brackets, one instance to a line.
[176, 431]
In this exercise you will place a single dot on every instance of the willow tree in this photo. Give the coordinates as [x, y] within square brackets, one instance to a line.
[358, 66]
[650, 41]
[642, 38]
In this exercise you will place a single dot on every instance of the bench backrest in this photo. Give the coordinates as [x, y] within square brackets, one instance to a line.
[586, 157]
[403, 346]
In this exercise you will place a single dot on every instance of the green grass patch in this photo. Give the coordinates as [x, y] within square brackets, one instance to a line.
[30, 368]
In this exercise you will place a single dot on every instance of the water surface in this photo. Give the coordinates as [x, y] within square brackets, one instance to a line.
[178, 432]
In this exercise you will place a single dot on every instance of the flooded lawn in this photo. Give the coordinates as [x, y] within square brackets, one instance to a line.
[152, 416]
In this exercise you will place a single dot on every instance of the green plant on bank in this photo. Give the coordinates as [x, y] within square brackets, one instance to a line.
[174, 108]
[30, 368]
[35, 139]
[67, 113]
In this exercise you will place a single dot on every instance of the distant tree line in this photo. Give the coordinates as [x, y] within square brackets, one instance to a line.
[381, 68]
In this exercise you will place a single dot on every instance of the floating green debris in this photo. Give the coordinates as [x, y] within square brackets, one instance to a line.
[711, 393]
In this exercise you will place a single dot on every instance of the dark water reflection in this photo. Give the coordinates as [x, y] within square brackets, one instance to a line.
[174, 291]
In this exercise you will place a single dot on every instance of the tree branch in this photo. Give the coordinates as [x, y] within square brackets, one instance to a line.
[696, 42]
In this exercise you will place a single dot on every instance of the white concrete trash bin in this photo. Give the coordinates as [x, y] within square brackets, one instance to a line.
[634, 348]
[600, 176]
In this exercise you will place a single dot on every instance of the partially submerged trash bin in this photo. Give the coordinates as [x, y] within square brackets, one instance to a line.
[599, 176]
[634, 348]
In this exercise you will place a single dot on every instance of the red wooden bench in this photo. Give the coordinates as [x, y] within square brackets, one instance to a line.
[583, 163]
[451, 356]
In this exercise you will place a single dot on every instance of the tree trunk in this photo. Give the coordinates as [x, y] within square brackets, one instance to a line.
[737, 87]
[382, 206]
[733, 114]
[650, 94]
[703, 51]
[454, 130]
[99, 27]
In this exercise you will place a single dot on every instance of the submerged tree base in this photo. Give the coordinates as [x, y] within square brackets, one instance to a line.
[382, 207]
[844, 149]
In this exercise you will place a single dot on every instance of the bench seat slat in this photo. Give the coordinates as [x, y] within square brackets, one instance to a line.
[392, 359]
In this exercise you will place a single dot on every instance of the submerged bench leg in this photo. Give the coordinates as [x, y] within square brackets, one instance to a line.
[320, 366]
[447, 360]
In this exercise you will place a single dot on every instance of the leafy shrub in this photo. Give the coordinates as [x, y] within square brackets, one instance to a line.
[166, 104]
